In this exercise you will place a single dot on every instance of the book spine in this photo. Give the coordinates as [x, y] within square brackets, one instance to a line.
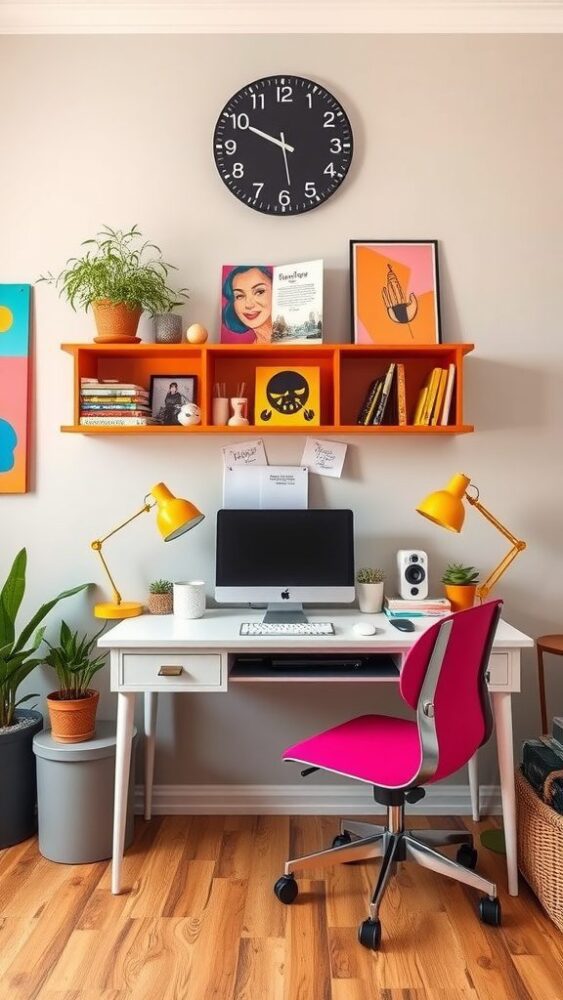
[367, 402]
[384, 394]
[439, 397]
[420, 406]
[115, 421]
[401, 396]
[374, 402]
[431, 396]
[448, 397]
[114, 413]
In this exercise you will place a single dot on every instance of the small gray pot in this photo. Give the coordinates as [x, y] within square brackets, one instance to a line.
[168, 328]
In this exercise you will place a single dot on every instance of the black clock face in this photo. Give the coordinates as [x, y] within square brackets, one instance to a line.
[283, 145]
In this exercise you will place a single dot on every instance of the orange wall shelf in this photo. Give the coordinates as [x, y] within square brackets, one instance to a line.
[346, 371]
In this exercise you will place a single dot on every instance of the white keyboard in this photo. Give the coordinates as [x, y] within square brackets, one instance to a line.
[287, 628]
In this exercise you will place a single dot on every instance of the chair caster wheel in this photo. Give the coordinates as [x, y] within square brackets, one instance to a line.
[467, 856]
[369, 934]
[341, 839]
[490, 911]
[286, 889]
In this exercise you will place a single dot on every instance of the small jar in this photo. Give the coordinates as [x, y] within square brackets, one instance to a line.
[168, 328]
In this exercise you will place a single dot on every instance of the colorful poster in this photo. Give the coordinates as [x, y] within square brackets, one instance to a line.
[261, 304]
[395, 292]
[14, 376]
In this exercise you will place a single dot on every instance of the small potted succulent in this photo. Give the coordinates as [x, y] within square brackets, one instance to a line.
[369, 589]
[160, 597]
[72, 709]
[120, 275]
[460, 583]
[18, 657]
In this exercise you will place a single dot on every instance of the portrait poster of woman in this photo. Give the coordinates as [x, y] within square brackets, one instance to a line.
[395, 294]
[246, 304]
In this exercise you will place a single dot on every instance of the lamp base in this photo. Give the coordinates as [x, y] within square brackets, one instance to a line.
[127, 609]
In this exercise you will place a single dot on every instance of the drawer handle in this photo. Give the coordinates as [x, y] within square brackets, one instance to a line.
[172, 671]
[488, 676]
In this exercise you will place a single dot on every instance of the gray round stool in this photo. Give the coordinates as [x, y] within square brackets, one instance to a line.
[75, 783]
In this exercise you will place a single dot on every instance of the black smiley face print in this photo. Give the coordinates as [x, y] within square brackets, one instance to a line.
[287, 392]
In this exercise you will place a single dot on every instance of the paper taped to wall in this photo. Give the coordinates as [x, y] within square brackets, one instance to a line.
[266, 487]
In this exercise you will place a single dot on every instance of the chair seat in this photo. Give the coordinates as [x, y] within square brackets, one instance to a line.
[377, 749]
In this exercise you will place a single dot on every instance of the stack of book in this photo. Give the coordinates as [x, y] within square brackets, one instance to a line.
[431, 607]
[435, 398]
[105, 403]
[385, 401]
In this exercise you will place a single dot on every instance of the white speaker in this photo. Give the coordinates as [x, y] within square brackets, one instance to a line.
[412, 566]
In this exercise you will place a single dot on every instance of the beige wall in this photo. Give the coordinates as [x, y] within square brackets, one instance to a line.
[458, 138]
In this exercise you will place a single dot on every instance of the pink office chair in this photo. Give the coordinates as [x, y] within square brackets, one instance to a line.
[443, 681]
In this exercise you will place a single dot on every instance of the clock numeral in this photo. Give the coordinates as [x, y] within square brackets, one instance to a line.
[309, 100]
[335, 145]
[329, 117]
[241, 121]
[238, 170]
[329, 169]
[258, 101]
[310, 189]
[230, 146]
[258, 186]
[284, 94]
[284, 198]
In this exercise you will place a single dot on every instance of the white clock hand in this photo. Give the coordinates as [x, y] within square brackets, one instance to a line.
[282, 137]
[271, 138]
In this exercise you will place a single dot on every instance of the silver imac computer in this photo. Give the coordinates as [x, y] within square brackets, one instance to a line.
[284, 558]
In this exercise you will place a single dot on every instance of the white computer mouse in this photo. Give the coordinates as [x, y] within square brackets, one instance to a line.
[364, 628]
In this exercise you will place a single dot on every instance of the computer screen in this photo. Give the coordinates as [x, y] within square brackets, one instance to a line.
[297, 555]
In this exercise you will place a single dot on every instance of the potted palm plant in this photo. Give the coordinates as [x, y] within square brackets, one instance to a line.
[460, 583]
[120, 275]
[18, 657]
[72, 709]
[369, 589]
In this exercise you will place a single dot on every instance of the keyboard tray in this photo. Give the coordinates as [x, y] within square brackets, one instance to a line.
[280, 666]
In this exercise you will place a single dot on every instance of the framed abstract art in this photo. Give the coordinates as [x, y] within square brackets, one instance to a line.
[14, 386]
[395, 292]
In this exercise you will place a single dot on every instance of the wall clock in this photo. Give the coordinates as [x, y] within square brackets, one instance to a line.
[283, 145]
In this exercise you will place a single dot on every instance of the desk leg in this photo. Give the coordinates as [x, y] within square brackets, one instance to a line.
[502, 711]
[473, 768]
[151, 701]
[125, 712]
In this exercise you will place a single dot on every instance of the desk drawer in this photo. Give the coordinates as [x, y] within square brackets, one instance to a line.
[166, 669]
[497, 671]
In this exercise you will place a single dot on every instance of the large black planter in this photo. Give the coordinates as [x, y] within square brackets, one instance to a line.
[18, 784]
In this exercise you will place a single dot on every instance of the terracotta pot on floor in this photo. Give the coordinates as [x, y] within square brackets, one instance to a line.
[460, 597]
[73, 719]
[116, 322]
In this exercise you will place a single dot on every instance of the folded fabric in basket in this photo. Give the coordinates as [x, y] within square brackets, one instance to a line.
[542, 765]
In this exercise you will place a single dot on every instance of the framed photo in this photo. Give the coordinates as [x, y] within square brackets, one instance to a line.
[168, 394]
[395, 291]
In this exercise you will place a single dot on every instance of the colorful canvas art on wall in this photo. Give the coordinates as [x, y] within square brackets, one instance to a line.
[14, 376]
[395, 292]
[287, 396]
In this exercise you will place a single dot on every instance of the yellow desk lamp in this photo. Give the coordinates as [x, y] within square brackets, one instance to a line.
[445, 507]
[174, 517]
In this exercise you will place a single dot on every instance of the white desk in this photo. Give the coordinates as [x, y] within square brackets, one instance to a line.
[199, 654]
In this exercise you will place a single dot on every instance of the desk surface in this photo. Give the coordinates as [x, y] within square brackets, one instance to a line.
[219, 629]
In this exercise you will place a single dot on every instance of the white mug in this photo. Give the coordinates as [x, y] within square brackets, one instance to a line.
[189, 599]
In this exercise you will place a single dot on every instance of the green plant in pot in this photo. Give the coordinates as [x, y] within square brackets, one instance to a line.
[72, 709]
[18, 657]
[120, 275]
[369, 589]
[160, 597]
[460, 583]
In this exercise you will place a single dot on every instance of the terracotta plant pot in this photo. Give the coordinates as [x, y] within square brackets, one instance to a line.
[116, 323]
[160, 604]
[460, 597]
[72, 719]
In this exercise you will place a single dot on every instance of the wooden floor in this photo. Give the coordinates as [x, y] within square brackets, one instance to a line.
[198, 920]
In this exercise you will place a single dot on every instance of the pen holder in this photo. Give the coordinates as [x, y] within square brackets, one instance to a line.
[238, 405]
[189, 599]
[220, 410]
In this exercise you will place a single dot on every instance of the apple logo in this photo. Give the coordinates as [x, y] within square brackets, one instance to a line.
[285, 595]
[8, 442]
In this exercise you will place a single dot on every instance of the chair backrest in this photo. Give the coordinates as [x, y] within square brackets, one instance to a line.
[459, 718]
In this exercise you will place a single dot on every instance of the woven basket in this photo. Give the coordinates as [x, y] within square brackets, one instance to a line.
[160, 604]
[540, 848]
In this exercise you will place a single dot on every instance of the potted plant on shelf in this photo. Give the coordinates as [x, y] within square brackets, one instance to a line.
[18, 657]
[160, 597]
[120, 275]
[72, 709]
[369, 589]
[460, 583]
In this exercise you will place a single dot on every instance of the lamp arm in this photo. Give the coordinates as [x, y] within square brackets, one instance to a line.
[96, 545]
[484, 589]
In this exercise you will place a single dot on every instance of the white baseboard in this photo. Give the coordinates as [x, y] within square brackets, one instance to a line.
[305, 800]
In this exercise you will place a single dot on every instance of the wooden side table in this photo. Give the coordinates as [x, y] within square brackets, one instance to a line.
[546, 644]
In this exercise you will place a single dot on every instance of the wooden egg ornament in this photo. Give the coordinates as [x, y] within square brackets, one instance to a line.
[196, 334]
